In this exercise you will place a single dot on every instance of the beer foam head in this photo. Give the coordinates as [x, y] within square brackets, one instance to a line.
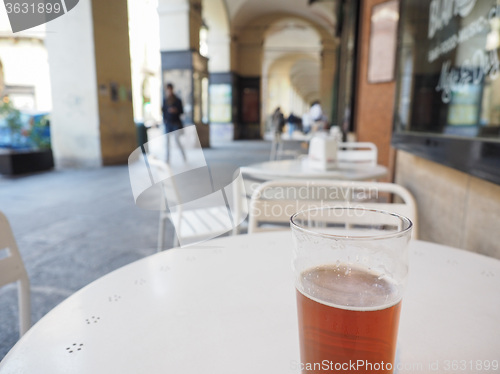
[349, 287]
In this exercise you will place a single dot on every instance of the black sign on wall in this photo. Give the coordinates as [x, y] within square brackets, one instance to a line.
[448, 84]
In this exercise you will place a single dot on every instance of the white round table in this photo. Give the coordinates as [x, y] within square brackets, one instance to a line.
[228, 306]
[300, 169]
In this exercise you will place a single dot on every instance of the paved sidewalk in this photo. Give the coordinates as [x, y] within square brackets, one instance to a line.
[74, 226]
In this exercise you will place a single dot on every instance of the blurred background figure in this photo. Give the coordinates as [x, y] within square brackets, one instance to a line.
[319, 121]
[278, 121]
[306, 123]
[172, 110]
[294, 123]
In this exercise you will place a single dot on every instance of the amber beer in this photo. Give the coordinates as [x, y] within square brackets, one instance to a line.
[350, 266]
[348, 320]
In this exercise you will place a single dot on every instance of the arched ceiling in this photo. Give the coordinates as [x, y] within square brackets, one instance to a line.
[241, 12]
[294, 46]
[305, 77]
[303, 71]
[215, 15]
[277, 38]
[292, 33]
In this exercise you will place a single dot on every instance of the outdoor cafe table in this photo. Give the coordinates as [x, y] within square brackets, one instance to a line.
[228, 306]
[300, 169]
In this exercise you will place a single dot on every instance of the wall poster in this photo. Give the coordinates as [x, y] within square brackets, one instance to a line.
[383, 38]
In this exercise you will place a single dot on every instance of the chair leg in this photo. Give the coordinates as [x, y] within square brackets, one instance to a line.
[24, 305]
[237, 197]
[279, 152]
[178, 229]
[161, 234]
[272, 156]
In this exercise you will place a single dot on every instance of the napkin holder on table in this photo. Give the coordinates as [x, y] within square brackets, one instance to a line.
[323, 153]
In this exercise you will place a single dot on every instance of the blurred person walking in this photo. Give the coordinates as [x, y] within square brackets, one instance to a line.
[278, 121]
[317, 116]
[172, 110]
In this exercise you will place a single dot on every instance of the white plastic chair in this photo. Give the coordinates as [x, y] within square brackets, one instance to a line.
[364, 152]
[189, 224]
[274, 202]
[278, 150]
[12, 270]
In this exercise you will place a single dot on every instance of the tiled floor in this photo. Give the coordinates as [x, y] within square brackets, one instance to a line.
[74, 226]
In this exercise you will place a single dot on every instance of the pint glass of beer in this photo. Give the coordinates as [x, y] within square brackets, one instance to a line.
[350, 267]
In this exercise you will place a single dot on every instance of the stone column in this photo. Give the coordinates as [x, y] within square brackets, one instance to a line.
[92, 119]
[327, 76]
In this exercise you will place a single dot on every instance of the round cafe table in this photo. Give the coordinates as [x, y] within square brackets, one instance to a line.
[300, 169]
[228, 306]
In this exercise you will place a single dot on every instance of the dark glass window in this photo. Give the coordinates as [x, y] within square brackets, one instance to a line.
[448, 83]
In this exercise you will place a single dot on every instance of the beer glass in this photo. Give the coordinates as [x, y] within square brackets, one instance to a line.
[350, 267]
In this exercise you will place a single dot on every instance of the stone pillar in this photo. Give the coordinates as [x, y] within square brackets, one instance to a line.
[374, 107]
[92, 119]
[219, 47]
[248, 55]
[327, 76]
[174, 25]
[2, 78]
[182, 64]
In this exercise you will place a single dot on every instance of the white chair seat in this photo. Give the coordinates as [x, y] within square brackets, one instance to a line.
[190, 225]
[201, 222]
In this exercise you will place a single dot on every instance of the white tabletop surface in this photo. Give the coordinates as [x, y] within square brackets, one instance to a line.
[297, 136]
[228, 306]
[300, 169]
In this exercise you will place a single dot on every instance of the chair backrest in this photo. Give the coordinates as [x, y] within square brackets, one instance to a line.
[11, 264]
[194, 220]
[275, 202]
[364, 152]
[12, 270]
[161, 171]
